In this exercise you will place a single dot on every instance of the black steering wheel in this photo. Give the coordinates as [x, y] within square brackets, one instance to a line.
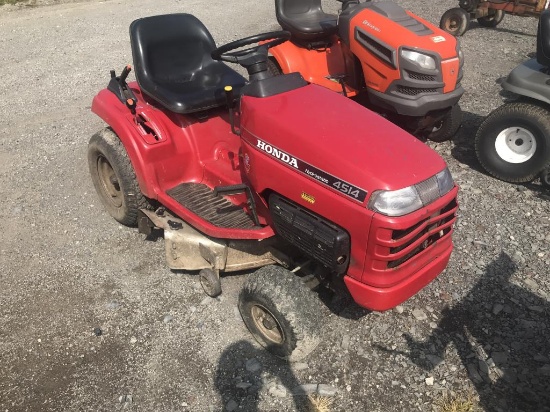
[224, 53]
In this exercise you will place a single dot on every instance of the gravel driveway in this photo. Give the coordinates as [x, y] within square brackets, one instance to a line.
[479, 332]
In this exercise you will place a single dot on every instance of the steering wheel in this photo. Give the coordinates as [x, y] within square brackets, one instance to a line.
[224, 53]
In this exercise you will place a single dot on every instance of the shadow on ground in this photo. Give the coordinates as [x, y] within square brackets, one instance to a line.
[243, 371]
[501, 333]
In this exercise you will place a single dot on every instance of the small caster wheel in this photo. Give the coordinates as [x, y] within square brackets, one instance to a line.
[545, 178]
[455, 21]
[210, 282]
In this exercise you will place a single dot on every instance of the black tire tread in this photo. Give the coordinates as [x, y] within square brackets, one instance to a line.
[506, 111]
[451, 124]
[491, 21]
[273, 67]
[107, 142]
[285, 292]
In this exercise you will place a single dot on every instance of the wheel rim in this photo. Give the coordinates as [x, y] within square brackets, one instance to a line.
[267, 325]
[452, 23]
[109, 182]
[515, 145]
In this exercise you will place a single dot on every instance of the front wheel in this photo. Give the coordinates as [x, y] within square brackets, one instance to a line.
[281, 312]
[491, 20]
[513, 143]
[455, 21]
[447, 126]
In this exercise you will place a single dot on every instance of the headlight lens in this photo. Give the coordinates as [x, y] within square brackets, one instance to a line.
[423, 60]
[396, 202]
[403, 201]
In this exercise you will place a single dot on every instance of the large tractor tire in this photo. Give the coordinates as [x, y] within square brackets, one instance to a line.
[281, 312]
[513, 143]
[114, 177]
[455, 21]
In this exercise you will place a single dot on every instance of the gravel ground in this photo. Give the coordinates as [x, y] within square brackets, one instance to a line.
[479, 332]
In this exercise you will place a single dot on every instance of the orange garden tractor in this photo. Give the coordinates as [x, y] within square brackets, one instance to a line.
[489, 13]
[379, 54]
[270, 174]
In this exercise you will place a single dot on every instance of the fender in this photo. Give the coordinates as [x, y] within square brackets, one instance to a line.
[314, 65]
[149, 144]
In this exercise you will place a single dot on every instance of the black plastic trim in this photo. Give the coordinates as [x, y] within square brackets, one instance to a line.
[272, 86]
[377, 47]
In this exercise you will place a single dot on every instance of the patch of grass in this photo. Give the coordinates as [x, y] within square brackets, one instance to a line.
[319, 403]
[459, 404]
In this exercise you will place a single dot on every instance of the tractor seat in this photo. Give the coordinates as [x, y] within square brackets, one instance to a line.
[543, 39]
[305, 19]
[173, 65]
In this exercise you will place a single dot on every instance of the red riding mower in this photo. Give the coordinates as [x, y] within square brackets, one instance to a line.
[489, 13]
[273, 173]
[382, 56]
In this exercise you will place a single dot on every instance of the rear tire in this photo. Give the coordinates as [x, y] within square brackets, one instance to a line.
[455, 21]
[491, 20]
[273, 67]
[281, 312]
[513, 142]
[114, 177]
[447, 127]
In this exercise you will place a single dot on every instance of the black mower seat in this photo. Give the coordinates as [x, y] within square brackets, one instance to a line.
[173, 64]
[543, 39]
[305, 19]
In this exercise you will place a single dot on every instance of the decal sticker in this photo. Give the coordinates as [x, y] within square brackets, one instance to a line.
[246, 163]
[308, 198]
[438, 39]
[352, 191]
[370, 25]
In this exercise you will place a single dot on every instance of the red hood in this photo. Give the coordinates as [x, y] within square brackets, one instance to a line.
[340, 137]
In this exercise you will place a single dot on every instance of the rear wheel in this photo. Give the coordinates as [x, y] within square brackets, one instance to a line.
[281, 312]
[513, 143]
[114, 177]
[447, 127]
[491, 20]
[455, 21]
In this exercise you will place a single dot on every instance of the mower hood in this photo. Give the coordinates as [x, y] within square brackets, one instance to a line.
[335, 135]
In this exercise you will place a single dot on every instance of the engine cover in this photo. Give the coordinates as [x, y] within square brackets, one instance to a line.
[318, 238]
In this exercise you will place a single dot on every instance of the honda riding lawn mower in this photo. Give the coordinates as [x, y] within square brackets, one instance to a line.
[274, 174]
[379, 54]
[489, 13]
[513, 142]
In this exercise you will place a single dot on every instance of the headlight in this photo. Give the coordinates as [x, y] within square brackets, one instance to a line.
[460, 57]
[423, 60]
[403, 201]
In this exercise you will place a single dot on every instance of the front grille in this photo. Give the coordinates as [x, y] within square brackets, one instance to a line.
[421, 76]
[414, 91]
[404, 244]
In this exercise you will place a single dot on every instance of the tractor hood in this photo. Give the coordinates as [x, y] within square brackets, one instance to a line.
[333, 135]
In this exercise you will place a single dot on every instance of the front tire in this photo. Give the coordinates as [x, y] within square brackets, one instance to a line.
[447, 127]
[513, 143]
[455, 21]
[281, 312]
[114, 177]
[491, 20]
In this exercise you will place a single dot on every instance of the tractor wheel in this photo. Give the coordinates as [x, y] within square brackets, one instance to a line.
[545, 178]
[281, 312]
[273, 67]
[210, 282]
[455, 21]
[114, 177]
[513, 142]
[447, 127]
[492, 20]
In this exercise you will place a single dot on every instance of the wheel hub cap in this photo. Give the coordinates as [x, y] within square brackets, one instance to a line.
[267, 324]
[515, 145]
[109, 181]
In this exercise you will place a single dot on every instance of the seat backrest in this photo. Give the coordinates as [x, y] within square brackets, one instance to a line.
[543, 39]
[169, 48]
[287, 8]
